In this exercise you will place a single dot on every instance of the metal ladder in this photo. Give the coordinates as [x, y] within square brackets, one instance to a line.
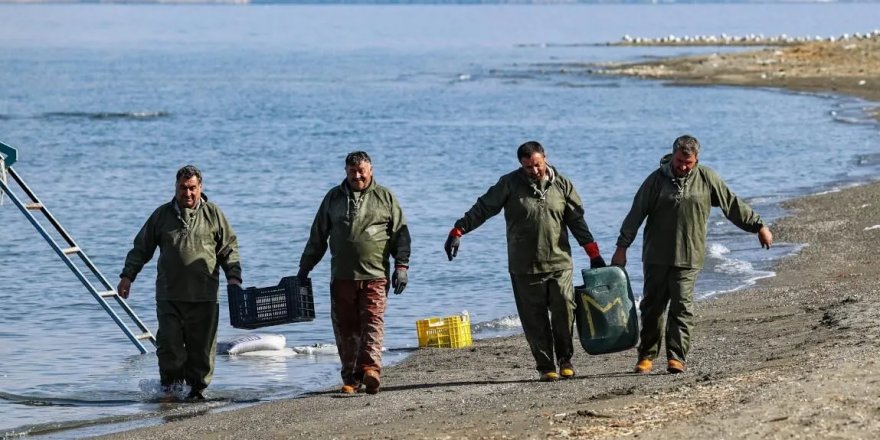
[71, 249]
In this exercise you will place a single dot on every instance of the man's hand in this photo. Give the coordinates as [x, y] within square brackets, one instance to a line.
[399, 279]
[453, 241]
[302, 276]
[124, 287]
[765, 237]
[596, 259]
[233, 282]
[619, 257]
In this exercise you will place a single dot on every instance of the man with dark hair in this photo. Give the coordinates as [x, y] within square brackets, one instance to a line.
[540, 206]
[364, 225]
[195, 240]
[676, 199]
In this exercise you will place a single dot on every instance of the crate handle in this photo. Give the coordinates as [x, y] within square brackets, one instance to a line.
[439, 323]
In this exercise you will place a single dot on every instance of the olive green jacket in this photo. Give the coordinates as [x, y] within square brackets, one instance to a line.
[191, 251]
[537, 238]
[362, 234]
[678, 211]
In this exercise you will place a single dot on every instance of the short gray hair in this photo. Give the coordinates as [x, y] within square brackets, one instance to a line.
[688, 145]
[188, 172]
[356, 157]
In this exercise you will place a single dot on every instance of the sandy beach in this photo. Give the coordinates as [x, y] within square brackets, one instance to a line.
[793, 357]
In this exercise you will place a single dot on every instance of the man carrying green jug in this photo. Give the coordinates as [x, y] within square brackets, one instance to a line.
[539, 204]
[676, 199]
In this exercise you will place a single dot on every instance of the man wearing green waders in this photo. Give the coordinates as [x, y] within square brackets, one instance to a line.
[676, 199]
[195, 240]
[540, 206]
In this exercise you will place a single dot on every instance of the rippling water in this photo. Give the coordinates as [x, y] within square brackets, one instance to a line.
[106, 102]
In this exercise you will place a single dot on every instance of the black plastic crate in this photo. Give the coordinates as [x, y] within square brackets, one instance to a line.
[257, 307]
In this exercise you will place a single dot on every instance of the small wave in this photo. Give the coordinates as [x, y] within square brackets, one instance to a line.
[316, 349]
[727, 265]
[604, 85]
[117, 423]
[852, 116]
[735, 267]
[108, 115]
[718, 250]
[152, 390]
[61, 401]
[759, 275]
[830, 191]
[841, 187]
[505, 323]
[868, 159]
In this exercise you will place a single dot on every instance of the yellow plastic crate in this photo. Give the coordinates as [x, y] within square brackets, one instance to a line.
[448, 332]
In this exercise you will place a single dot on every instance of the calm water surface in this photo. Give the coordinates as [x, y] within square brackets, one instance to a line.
[106, 102]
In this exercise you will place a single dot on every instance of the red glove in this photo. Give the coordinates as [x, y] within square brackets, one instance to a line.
[596, 259]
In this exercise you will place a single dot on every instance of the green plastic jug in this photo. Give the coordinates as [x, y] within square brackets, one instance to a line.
[606, 311]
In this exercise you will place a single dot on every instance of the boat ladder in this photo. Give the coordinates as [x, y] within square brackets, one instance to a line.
[69, 251]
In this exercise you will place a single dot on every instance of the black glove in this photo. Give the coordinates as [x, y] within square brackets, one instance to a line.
[399, 279]
[302, 276]
[453, 241]
[597, 262]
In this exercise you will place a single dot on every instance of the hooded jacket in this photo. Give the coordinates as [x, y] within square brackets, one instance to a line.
[193, 245]
[677, 209]
[538, 217]
[362, 232]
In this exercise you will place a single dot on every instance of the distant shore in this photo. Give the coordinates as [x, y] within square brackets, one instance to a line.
[740, 40]
[848, 67]
[795, 356]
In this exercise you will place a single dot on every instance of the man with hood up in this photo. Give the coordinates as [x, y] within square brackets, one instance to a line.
[676, 199]
[540, 206]
[195, 240]
[364, 225]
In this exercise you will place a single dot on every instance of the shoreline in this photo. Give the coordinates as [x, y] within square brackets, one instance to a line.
[846, 67]
[793, 355]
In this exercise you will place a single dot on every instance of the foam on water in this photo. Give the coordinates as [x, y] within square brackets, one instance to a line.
[319, 349]
[727, 265]
[152, 390]
[717, 250]
[506, 325]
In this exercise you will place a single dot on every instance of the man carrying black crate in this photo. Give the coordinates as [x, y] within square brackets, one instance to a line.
[195, 240]
[364, 225]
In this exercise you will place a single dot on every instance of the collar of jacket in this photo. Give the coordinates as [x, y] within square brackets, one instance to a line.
[346, 189]
[198, 205]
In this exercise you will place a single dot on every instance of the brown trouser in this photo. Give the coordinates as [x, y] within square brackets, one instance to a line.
[357, 308]
[186, 342]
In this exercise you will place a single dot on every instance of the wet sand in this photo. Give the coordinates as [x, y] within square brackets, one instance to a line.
[793, 357]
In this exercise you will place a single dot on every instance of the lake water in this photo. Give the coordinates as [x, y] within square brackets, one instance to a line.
[105, 102]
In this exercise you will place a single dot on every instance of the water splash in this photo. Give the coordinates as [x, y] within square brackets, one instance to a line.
[152, 390]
